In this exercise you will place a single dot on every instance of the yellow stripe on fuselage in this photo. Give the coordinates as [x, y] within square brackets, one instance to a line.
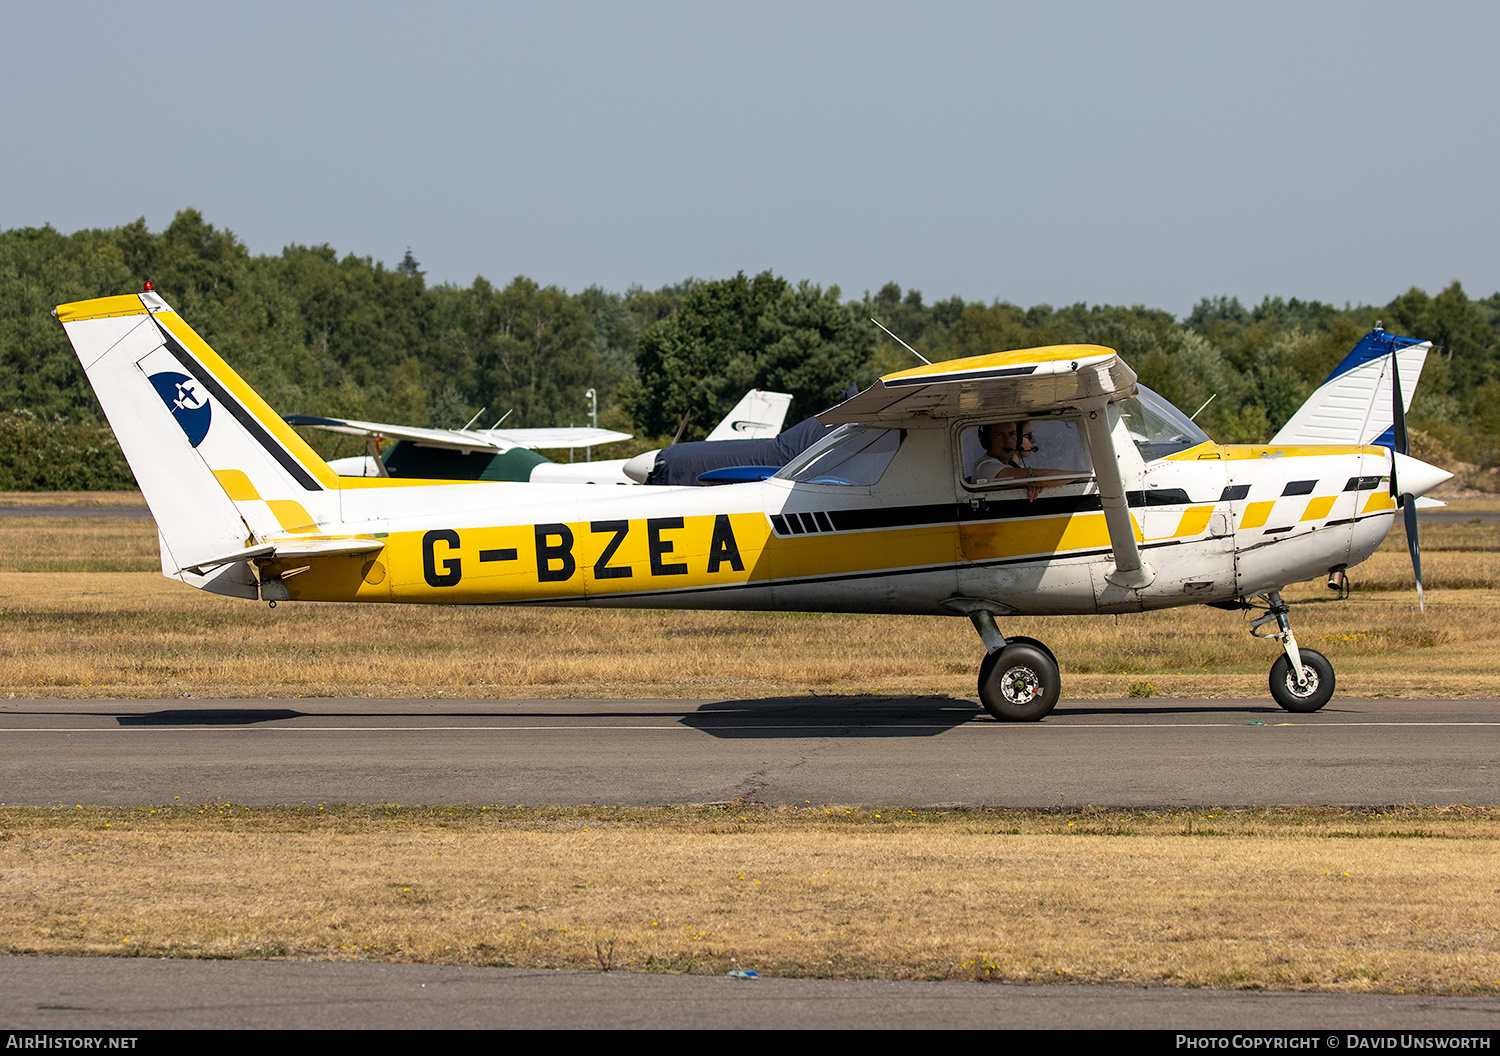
[575, 561]
[989, 540]
[1241, 452]
[1318, 508]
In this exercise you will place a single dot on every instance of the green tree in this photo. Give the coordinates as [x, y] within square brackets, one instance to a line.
[741, 333]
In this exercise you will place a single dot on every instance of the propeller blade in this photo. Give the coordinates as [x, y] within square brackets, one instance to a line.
[1409, 508]
[1401, 445]
[1398, 406]
[1400, 442]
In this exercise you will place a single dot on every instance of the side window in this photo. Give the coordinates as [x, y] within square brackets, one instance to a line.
[1008, 454]
[852, 454]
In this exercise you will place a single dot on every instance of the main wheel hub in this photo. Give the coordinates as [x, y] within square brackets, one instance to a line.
[1020, 685]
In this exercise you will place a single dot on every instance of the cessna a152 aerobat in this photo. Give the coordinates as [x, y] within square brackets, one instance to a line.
[1039, 481]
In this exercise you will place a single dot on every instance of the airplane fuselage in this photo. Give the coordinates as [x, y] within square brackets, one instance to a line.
[1215, 522]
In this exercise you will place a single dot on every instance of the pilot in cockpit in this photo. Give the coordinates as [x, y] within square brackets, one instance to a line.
[1009, 450]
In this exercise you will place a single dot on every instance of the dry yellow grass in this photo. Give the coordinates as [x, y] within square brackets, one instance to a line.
[140, 635]
[72, 498]
[59, 544]
[1330, 900]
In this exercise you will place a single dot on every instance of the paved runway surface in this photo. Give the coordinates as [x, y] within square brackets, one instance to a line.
[62, 993]
[913, 751]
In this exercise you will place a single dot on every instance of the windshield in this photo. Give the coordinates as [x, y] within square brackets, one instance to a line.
[1158, 428]
[851, 454]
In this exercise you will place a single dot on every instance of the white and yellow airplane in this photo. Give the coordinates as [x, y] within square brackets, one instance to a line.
[1114, 502]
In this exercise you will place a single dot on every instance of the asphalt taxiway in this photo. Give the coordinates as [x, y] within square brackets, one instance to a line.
[913, 751]
[125, 994]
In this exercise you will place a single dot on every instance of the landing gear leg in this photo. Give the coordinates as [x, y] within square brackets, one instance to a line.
[1301, 679]
[1018, 680]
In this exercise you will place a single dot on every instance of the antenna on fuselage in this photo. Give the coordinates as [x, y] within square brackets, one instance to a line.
[476, 417]
[904, 345]
[1194, 415]
[502, 419]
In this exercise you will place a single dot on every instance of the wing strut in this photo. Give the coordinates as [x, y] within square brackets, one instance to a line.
[1130, 570]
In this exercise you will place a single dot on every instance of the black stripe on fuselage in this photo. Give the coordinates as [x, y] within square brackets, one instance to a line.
[250, 423]
[981, 509]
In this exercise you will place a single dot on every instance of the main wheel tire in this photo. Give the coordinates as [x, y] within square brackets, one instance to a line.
[1021, 640]
[1020, 683]
[1310, 697]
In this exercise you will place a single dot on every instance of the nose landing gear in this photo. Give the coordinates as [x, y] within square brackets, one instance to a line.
[1301, 679]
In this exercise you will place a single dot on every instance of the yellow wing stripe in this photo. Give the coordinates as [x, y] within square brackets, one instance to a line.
[1014, 358]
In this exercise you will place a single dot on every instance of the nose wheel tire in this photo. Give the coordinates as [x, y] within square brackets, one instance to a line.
[1019, 683]
[1310, 696]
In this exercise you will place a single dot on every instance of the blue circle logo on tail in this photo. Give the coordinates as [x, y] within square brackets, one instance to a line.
[188, 402]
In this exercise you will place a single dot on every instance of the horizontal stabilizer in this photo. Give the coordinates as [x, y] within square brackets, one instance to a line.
[290, 548]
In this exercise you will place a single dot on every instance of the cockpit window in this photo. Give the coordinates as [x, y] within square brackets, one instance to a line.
[851, 454]
[1158, 428]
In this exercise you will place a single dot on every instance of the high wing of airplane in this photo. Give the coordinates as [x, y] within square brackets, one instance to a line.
[996, 487]
[506, 454]
[1354, 403]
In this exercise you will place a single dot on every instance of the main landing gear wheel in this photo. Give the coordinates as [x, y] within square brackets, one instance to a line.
[1312, 695]
[1021, 640]
[1020, 682]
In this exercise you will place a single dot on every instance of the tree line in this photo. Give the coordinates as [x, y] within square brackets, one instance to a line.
[317, 333]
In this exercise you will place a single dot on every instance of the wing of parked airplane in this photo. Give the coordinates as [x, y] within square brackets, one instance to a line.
[464, 440]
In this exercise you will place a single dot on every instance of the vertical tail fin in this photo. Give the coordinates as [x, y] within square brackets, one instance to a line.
[219, 469]
[1354, 404]
[757, 416]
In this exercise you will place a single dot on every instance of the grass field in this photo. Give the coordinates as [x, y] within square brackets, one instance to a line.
[1400, 901]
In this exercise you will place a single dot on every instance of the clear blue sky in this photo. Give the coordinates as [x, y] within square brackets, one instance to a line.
[1114, 153]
